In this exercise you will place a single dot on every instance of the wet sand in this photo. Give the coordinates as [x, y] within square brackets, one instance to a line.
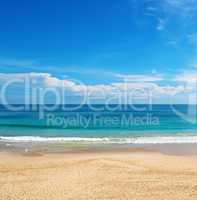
[86, 175]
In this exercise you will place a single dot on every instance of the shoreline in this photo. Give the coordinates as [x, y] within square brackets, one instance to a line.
[183, 149]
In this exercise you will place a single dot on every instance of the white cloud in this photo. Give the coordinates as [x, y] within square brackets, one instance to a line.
[139, 85]
[140, 78]
[181, 8]
[181, 13]
[187, 77]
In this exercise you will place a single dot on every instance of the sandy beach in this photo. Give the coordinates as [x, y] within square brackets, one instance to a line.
[116, 175]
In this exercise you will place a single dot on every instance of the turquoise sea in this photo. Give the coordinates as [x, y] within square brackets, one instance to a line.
[99, 123]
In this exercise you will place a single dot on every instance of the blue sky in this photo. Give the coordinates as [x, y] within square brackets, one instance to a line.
[100, 42]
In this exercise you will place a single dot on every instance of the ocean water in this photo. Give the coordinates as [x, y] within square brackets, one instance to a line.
[137, 124]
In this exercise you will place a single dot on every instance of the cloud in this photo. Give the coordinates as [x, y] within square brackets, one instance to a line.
[138, 86]
[161, 24]
[169, 14]
[37, 79]
[140, 78]
[181, 8]
[36, 66]
[187, 77]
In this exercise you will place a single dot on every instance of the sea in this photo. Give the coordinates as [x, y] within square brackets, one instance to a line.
[99, 123]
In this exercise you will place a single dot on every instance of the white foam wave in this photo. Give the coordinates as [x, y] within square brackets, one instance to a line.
[133, 140]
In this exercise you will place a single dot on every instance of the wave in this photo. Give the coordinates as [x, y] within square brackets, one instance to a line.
[133, 140]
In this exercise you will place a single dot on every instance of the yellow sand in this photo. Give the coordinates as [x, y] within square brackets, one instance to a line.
[121, 176]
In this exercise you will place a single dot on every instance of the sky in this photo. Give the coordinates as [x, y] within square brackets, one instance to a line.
[149, 44]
